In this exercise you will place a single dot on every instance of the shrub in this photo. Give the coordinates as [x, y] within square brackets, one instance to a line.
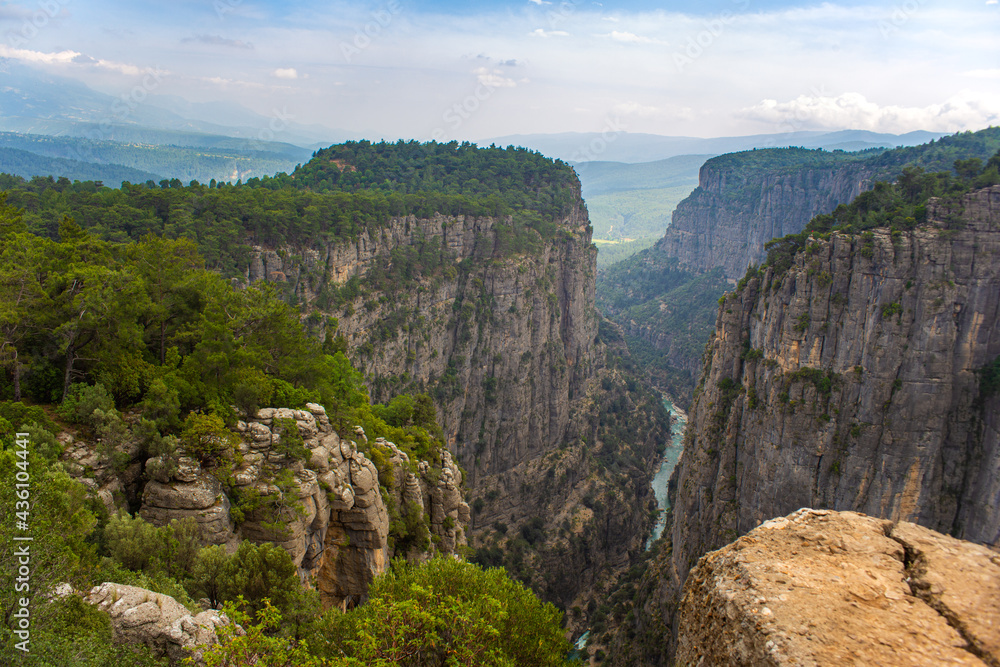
[82, 400]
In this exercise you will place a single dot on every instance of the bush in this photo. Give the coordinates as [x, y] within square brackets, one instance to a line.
[290, 443]
[446, 611]
[206, 438]
[82, 400]
[161, 405]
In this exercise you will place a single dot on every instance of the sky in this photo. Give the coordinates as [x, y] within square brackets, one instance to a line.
[450, 69]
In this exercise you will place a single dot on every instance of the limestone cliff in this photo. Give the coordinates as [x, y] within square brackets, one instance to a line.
[497, 323]
[491, 329]
[822, 588]
[734, 211]
[850, 382]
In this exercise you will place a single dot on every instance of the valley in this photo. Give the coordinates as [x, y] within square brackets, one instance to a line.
[496, 412]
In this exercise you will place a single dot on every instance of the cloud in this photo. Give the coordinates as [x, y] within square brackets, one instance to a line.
[854, 111]
[38, 56]
[540, 2]
[983, 73]
[218, 40]
[493, 78]
[646, 111]
[286, 73]
[549, 33]
[630, 37]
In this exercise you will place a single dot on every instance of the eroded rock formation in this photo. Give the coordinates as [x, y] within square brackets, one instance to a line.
[140, 616]
[823, 588]
[328, 513]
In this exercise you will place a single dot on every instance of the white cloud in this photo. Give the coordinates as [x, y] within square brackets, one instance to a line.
[540, 2]
[853, 110]
[286, 73]
[38, 56]
[630, 37]
[549, 33]
[493, 78]
[646, 111]
[983, 73]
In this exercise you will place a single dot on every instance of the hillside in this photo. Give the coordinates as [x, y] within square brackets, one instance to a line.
[742, 202]
[854, 371]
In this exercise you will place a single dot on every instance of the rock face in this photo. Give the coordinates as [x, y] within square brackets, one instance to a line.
[193, 493]
[140, 616]
[471, 336]
[851, 382]
[328, 513]
[822, 588]
[507, 345]
[734, 211]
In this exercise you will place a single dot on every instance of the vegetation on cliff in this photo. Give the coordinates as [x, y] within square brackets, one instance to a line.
[899, 206]
[343, 191]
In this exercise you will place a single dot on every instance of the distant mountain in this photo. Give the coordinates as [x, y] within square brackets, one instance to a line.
[599, 178]
[628, 147]
[25, 164]
[32, 100]
[224, 158]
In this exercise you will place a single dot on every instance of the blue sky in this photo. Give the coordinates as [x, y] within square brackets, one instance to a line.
[474, 69]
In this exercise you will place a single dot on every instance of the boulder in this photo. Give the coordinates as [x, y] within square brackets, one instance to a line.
[140, 616]
[820, 587]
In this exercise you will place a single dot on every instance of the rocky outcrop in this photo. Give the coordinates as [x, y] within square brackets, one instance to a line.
[328, 512]
[193, 493]
[821, 587]
[140, 616]
[736, 210]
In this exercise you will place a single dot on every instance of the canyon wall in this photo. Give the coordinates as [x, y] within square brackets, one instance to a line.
[856, 380]
[501, 331]
[731, 215]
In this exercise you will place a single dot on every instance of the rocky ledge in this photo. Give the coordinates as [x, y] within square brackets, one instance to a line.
[821, 587]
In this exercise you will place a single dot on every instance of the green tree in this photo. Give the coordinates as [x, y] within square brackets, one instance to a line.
[446, 612]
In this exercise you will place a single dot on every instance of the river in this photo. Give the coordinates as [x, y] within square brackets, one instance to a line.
[670, 457]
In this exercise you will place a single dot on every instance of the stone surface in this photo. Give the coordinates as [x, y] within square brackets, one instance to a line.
[202, 499]
[160, 622]
[824, 588]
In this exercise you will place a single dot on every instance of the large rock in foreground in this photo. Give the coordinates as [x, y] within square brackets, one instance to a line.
[823, 588]
[141, 616]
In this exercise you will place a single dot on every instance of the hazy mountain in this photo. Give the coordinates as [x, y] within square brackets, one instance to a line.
[629, 147]
[34, 101]
[25, 164]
